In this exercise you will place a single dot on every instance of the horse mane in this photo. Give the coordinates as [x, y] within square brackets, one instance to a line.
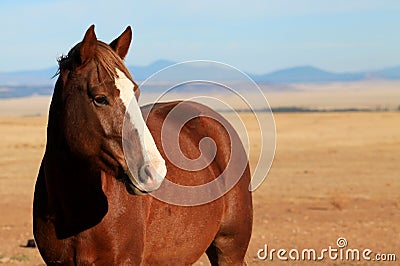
[105, 58]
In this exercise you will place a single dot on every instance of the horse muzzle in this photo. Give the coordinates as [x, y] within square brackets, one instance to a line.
[147, 179]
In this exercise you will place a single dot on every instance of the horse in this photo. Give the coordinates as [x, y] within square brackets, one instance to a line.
[94, 200]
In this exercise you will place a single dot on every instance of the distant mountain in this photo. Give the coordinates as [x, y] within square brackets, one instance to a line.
[26, 83]
[309, 74]
[388, 73]
[306, 74]
[141, 73]
[30, 77]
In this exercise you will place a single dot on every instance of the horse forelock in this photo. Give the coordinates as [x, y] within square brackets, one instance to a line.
[106, 60]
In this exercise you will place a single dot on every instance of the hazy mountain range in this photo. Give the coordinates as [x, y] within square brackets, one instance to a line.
[26, 83]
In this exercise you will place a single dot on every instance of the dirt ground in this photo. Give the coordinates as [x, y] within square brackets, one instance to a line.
[334, 175]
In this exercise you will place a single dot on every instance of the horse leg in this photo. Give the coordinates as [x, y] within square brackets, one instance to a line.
[212, 254]
[226, 251]
[231, 242]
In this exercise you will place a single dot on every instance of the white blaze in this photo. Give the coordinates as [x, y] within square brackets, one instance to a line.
[149, 149]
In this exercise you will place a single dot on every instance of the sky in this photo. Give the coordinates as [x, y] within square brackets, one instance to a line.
[256, 36]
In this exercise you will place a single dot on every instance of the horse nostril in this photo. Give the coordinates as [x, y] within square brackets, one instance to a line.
[145, 173]
[148, 178]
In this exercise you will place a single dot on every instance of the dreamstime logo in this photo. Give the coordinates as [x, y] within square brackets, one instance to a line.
[231, 93]
[340, 252]
[341, 242]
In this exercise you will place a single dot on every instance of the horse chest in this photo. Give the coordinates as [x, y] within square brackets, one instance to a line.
[100, 245]
[170, 228]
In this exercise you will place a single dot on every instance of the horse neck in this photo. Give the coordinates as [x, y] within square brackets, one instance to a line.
[66, 166]
[74, 187]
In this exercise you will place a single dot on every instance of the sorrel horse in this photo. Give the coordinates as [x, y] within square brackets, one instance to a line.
[91, 208]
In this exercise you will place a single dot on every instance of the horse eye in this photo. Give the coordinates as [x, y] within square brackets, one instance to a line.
[100, 100]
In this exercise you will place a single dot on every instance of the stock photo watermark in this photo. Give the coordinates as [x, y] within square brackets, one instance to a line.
[226, 91]
[340, 252]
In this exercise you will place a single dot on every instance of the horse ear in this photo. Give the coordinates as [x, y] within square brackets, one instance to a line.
[122, 43]
[137, 93]
[87, 47]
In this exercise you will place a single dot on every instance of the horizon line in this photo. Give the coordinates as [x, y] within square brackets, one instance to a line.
[247, 72]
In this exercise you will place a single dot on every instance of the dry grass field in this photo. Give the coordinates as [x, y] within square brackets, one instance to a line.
[334, 175]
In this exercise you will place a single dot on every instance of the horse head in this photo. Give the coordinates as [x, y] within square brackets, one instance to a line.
[95, 109]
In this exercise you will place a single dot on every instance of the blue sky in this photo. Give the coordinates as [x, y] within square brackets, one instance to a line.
[255, 36]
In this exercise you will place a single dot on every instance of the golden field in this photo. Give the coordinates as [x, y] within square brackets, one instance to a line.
[334, 175]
